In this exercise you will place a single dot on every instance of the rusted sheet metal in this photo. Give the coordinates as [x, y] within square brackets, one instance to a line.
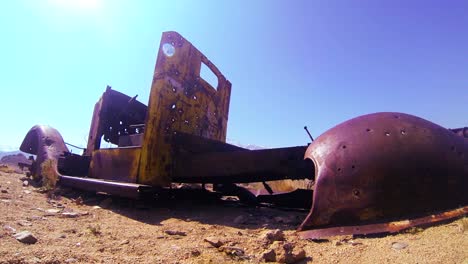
[115, 115]
[46, 143]
[384, 166]
[391, 227]
[463, 131]
[243, 166]
[180, 101]
[189, 143]
[129, 190]
[118, 164]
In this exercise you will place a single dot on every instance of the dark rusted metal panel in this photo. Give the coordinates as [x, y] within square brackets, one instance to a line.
[115, 115]
[180, 101]
[131, 140]
[384, 166]
[129, 190]
[189, 143]
[243, 166]
[73, 165]
[118, 164]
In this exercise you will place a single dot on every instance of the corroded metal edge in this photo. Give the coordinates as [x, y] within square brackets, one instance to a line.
[390, 227]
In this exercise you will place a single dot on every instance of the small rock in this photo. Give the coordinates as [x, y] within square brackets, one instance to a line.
[124, 242]
[269, 255]
[399, 245]
[195, 253]
[24, 223]
[9, 229]
[78, 244]
[240, 220]
[175, 233]
[106, 203]
[50, 212]
[4, 191]
[25, 237]
[79, 200]
[63, 236]
[25, 183]
[71, 260]
[215, 242]
[274, 235]
[287, 253]
[27, 191]
[70, 214]
[234, 252]
[34, 260]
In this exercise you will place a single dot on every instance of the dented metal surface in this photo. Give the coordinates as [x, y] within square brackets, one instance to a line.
[46, 143]
[384, 166]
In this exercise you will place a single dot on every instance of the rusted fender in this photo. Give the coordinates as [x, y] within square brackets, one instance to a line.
[384, 166]
[46, 143]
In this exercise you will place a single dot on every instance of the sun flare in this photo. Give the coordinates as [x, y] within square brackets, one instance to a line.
[77, 4]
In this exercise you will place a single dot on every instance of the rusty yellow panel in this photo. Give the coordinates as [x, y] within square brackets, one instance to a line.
[118, 164]
[180, 101]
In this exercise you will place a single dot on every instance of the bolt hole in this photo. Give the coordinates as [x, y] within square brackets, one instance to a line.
[168, 49]
[452, 148]
[353, 167]
[368, 130]
[344, 146]
[403, 132]
[339, 169]
[396, 116]
[356, 193]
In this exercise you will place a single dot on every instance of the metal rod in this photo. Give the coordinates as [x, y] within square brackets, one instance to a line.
[311, 138]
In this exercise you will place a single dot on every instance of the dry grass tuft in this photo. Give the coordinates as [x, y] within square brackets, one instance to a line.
[94, 230]
[49, 174]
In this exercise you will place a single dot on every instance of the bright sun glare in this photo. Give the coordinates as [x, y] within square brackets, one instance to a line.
[77, 4]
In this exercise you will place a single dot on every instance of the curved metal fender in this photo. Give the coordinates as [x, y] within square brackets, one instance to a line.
[385, 166]
[46, 143]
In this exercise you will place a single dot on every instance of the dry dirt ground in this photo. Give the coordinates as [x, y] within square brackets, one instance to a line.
[88, 228]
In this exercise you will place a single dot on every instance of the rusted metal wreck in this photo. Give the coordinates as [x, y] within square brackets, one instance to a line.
[381, 172]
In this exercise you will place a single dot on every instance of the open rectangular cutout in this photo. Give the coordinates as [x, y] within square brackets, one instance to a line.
[208, 75]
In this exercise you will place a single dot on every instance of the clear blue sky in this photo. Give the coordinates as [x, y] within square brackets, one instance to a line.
[291, 63]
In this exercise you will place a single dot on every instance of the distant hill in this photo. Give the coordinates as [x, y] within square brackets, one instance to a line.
[13, 157]
[6, 153]
[248, 146]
